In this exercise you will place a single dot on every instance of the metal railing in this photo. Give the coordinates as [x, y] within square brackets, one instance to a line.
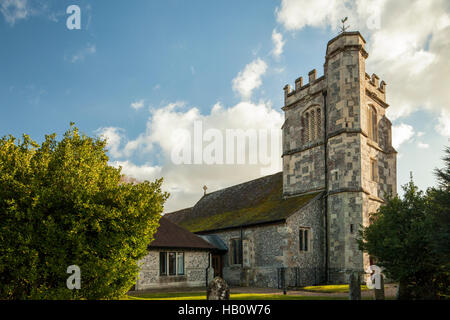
[300, 277]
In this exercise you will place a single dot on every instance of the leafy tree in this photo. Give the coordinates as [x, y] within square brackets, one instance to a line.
[439, 223]
[409, 238]
[61, 204]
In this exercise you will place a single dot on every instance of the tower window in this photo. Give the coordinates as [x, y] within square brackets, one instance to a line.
[373, 170]
[351, 228]
[319, 123]
[302, 131]
[372, 124]
[311, 122]
[307, 127]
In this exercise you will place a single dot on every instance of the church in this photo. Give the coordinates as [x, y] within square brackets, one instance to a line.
[297, 227]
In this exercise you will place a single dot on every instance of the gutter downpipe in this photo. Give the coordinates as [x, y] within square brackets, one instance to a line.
[207, 268]
[325, 113]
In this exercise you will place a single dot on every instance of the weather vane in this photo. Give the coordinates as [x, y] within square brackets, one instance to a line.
[344, 28]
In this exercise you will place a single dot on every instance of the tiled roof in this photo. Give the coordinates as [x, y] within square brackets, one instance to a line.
[253, 202]
[170, 235]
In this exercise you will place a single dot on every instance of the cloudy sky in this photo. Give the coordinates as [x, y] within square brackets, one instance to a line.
[138, 71]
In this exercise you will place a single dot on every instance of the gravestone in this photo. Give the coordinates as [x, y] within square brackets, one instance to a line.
[379, 293]
[218, 290]
[354, 286]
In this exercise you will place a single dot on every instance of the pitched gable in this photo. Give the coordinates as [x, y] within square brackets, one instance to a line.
[170, 235]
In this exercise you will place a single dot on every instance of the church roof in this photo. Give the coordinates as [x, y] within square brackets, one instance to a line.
[170, 235]
[250, 203]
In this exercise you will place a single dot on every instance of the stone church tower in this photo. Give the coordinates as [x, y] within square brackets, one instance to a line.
[337, 139]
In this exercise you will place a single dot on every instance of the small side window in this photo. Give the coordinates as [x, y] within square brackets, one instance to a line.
[304, 235]
[163, 263]
[373, 170]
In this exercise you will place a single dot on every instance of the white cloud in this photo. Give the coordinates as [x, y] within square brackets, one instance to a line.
[296, 14]
[143, 172]
[408, 44]
[250, 78]
[185, 182]
[113, 137]
[278, 43]
[411, 53]
[443, 127]
[422, 145]
[401, 133]
[14, 10]
[80, 55]
[137, 104]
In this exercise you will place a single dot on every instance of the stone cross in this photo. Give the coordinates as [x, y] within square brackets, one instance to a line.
[218, 290]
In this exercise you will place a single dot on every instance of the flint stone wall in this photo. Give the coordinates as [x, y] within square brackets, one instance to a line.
[195, 264]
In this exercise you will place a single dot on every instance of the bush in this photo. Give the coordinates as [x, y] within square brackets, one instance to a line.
[61, 204]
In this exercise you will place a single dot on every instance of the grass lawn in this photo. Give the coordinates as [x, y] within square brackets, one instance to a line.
[235, 296]
[331, 288]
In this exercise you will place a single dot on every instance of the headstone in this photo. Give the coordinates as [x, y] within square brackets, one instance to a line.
[218, 290]
[354, 286]
[379, 293]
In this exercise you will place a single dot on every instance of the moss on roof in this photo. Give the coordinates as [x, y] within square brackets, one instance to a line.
[253, 202]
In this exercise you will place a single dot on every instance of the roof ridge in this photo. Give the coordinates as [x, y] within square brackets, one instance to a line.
[239, 184]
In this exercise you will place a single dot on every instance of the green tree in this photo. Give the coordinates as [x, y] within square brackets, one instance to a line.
[61, 204]
[409, 238]
[439, 223]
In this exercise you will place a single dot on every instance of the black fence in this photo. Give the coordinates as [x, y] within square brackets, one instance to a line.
[300, 277]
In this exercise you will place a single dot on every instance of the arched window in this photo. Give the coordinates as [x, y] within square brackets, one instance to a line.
[373, 124]
[302, 130]
[311, 122]
[307, 127]
[312, 126]
[319, 123]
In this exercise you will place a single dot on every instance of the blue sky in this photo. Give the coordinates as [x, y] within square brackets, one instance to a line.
[155, 50]
[187, 53]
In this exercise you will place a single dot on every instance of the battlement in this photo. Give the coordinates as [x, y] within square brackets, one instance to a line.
[300, 88]
[374, 82]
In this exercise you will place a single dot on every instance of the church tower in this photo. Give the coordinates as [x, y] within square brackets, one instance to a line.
[337, 139]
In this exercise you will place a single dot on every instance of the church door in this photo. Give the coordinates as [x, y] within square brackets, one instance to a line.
[217, 265]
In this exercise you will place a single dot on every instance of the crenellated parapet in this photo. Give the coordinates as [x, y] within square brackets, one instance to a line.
[302, 90]
[376, 89]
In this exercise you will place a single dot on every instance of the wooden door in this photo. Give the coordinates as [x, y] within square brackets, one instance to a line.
[217, 265]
